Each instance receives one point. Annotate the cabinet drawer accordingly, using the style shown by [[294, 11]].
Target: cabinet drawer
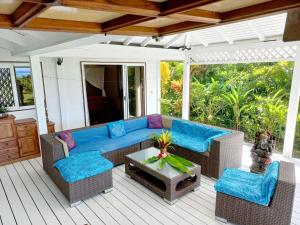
[[26, 127], [8, 157], [9, 151], [8, 144], [26, 133]]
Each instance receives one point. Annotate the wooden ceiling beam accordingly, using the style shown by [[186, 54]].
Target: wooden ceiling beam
[[181, 27], [26, 12], [136, 31], [45, 2], [177, 6], [5, 21], [274, 6], [42, 24], [124, 21], [30, 9], [198, 15], [140, 7]]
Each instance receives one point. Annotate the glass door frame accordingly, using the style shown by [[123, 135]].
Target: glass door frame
[[125, 66]]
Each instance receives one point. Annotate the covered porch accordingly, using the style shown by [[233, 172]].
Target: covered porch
[[71, 64]]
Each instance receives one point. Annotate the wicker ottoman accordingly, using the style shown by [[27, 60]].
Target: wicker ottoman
[[82, 176]]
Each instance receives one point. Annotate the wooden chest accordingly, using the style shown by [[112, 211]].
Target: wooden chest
[[18, 139]]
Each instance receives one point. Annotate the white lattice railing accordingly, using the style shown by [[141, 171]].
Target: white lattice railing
[[260, 52]]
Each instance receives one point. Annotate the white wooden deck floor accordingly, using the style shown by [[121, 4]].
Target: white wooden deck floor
[[28, 196]]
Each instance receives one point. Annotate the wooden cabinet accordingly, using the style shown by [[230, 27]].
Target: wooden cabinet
[[51, 127], [8, 140], [27, 137], [18, 139]]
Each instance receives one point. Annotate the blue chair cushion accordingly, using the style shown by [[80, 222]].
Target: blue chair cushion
[[193, 136], [90, 134], [116, 129], [136, 124], [81, 166], [249, 186]]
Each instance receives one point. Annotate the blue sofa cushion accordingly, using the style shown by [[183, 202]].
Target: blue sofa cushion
[[112, 144], [90, 134], [104, 145], [136, 124], [81, 166], [145, 134], [249, 186], [194, 136], [116, 129], [189, 142], [95, 145]]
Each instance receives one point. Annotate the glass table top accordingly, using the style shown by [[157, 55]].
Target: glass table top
[[167, 171]]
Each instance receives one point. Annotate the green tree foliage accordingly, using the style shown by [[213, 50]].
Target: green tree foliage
[[171, 88], [248, 97]]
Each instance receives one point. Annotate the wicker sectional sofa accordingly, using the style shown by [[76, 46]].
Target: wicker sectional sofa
[[225, 151]]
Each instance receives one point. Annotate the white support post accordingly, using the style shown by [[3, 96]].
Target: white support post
[[39, 97], [186, 90], [292, 109]]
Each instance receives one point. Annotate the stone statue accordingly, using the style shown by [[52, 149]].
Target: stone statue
[[261, 151]]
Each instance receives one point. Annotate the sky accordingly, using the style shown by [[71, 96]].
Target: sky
[[22, 71]]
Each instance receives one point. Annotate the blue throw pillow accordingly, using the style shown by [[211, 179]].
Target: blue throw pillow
[[116, 129]]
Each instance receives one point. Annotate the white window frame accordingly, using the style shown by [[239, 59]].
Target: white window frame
[[11, 66]]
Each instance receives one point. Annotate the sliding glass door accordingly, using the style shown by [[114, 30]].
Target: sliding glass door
[[113, 91], [134, 105]]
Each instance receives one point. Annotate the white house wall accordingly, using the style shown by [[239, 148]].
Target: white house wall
[[63, 84]]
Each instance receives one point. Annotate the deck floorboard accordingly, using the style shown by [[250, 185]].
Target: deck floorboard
[[29, 196]]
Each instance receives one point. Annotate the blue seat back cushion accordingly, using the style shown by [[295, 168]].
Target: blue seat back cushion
[[83, 165], [197, 130], [116, 129], [194, 136], [136, 124], [270, 179], [90, 134]]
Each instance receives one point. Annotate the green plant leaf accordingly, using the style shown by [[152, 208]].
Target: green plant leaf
[[161, 163], [183, 161], [178, 165], [150, 160]]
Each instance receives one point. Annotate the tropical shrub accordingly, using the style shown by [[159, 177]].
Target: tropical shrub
[[249, 97]]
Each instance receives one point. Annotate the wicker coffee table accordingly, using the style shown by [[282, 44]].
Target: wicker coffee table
[[168, 182]]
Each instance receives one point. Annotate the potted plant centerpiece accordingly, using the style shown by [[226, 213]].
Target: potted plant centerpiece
[[3, 111], [164, 143]]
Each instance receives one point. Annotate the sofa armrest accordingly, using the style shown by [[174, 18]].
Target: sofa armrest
[[283, 198], [227, 150], [52, 150]]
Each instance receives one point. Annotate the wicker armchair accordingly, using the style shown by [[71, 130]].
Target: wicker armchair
[[279, 212]]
